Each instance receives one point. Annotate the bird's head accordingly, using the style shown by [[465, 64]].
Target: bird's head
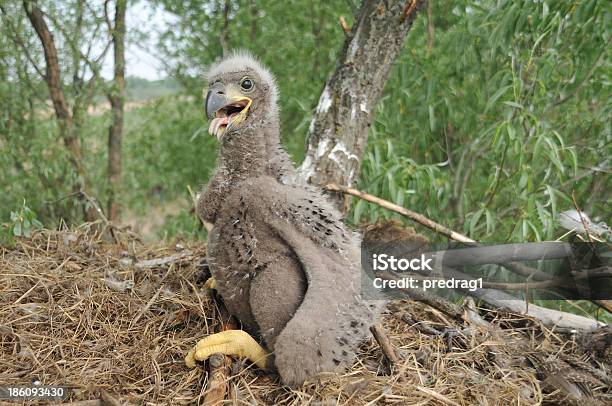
[[241, 92]]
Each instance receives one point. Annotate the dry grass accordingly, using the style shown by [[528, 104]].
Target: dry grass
[[68, 317]]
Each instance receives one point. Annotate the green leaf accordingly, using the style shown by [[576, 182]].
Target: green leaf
[[523, 181], [358, 211], [391, 184], [17, 229], [474, 220], [525, 230], [511, 132], [535, 230], [490, 222], [432, 119], [513, 104], [552, 198], [399, 197], [499, 93]]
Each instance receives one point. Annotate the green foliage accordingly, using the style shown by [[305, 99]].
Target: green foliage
[[493, 129], [22, 222], [182, 226], [142, 89], [33, 160], [166, 151], [490, 131]]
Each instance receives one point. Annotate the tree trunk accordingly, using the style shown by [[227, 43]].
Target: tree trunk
[[430, 26], [338, 133], [117, 99], [60, 105], [224, 39]]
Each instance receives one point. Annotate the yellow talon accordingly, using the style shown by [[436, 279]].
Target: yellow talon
[[231, 342], [211, 283]]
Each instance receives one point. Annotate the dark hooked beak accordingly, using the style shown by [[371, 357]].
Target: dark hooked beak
[[225, 107], [215, 100]]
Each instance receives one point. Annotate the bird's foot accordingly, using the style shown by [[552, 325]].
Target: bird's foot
[[211, 283], [231, 342]]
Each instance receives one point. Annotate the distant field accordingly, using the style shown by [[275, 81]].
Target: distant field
[[143, 89]]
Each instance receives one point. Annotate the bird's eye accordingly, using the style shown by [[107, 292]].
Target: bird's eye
[[246, 84]]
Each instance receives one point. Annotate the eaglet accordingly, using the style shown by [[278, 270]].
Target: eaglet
[[281, 259]]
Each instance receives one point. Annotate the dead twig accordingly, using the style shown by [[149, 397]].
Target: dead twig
[[156, 262], [93, 402], [604, 304], [385, 344], [423, 327], [419, 218], [219, 365], [408, 10], [568, 282], [387, 349], [94, 203], [344, 25], [152, 300], [549, 317], [437, 396]]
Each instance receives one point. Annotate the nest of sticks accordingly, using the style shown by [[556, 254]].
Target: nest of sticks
[[113, 321]]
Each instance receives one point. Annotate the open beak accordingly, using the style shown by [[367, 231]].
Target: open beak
[[226, 107]]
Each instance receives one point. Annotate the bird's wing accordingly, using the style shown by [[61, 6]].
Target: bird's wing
[[332, 319]]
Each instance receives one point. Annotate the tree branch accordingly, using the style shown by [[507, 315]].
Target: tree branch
[[224, 38], [52, 75], [419, 218], [387, 348], [93, 64], [60, 105], [19, 41], [219, 364]]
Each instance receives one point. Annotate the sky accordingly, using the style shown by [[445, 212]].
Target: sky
[[140, 57]]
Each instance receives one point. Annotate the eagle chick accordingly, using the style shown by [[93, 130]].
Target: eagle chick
[[283, 261]]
